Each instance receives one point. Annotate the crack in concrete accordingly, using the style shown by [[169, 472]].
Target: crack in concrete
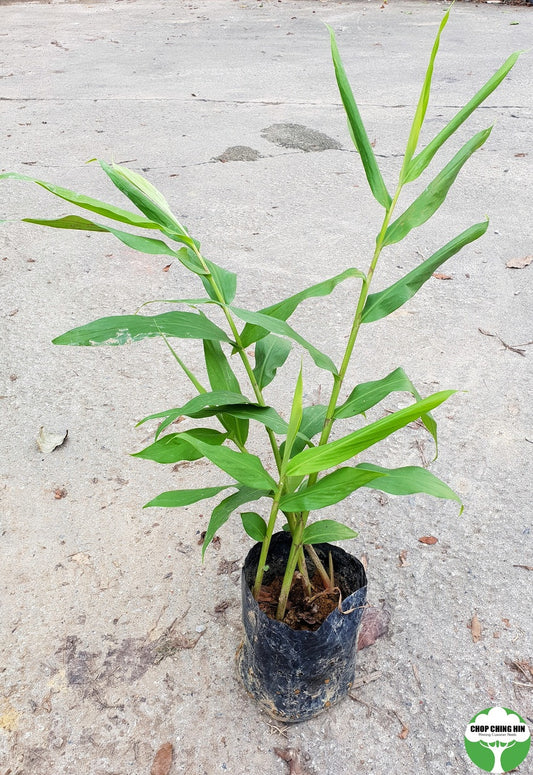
[[248, 102]]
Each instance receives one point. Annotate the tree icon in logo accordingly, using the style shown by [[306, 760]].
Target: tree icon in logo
[[497, 740]]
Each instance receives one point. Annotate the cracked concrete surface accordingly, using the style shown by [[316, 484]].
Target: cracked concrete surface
[[114, 638]]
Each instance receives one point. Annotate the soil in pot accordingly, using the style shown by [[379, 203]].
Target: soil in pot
[[294, 674], [305, 610]]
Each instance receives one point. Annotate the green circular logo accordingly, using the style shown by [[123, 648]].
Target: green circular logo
[[497, 739]]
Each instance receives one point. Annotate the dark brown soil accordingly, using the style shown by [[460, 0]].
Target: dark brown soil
[[304, 611]]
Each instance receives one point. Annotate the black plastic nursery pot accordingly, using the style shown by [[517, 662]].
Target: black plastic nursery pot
[[296, 674]]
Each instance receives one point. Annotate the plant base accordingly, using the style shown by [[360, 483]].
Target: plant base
[[296, 674]]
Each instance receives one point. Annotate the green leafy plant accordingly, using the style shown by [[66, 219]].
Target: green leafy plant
[[307, 473]]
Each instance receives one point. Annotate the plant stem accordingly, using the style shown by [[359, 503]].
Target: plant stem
[[356, 325], [261, 401], [257, 390], [242, 353], [335, 392], [292, 561], [318, 565], [266, 541], [302, 567]]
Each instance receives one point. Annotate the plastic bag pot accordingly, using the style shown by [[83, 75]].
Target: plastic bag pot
[[295, 674]]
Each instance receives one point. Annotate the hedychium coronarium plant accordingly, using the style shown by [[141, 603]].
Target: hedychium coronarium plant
[[311, 472]]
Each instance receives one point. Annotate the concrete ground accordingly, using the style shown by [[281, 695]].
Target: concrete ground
[[115, 639]]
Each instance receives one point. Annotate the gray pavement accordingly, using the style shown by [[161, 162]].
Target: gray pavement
[[101, 602]]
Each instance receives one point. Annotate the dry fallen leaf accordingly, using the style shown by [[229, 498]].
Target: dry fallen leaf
[[167, 267], [374, 624], [507, 623], [430, 540], [163, 760], [82, 558], [440, 276], [475, 627], [228, 566], [405, 729], [523, 667], [525, 567], [519, 263], [49, 440], [403, 734], [403, 558], [215, 541]]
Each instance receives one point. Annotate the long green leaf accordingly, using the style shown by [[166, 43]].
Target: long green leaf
[[271, 352], [246, 468], [88, 203], [327, 530], [225, 508], [266, 415], [368, 394], [74, 222], [379, 305], [225, 280], [275, 326], [358, 131], [215, 399], [220, 374], [434, 195], [123, 329], [421, 108], [222, 378], [282, 310], [295, 421], [195, 406], [176, 498], [420, 162], [329, 455], [408, 480], [330, 489], [244, 410], [148, 199], [254, 525], [313, 418], [155, 247], [174, 447]]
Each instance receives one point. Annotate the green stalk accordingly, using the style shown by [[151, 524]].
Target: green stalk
[[356, 325], [268, 537], [257, 390], [261, 401], [242, 354], [296, 549], [332, 405]]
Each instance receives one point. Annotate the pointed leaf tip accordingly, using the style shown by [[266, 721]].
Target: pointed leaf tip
[[357, 129]]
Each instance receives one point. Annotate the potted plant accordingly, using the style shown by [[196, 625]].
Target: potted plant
[[302, 596]]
